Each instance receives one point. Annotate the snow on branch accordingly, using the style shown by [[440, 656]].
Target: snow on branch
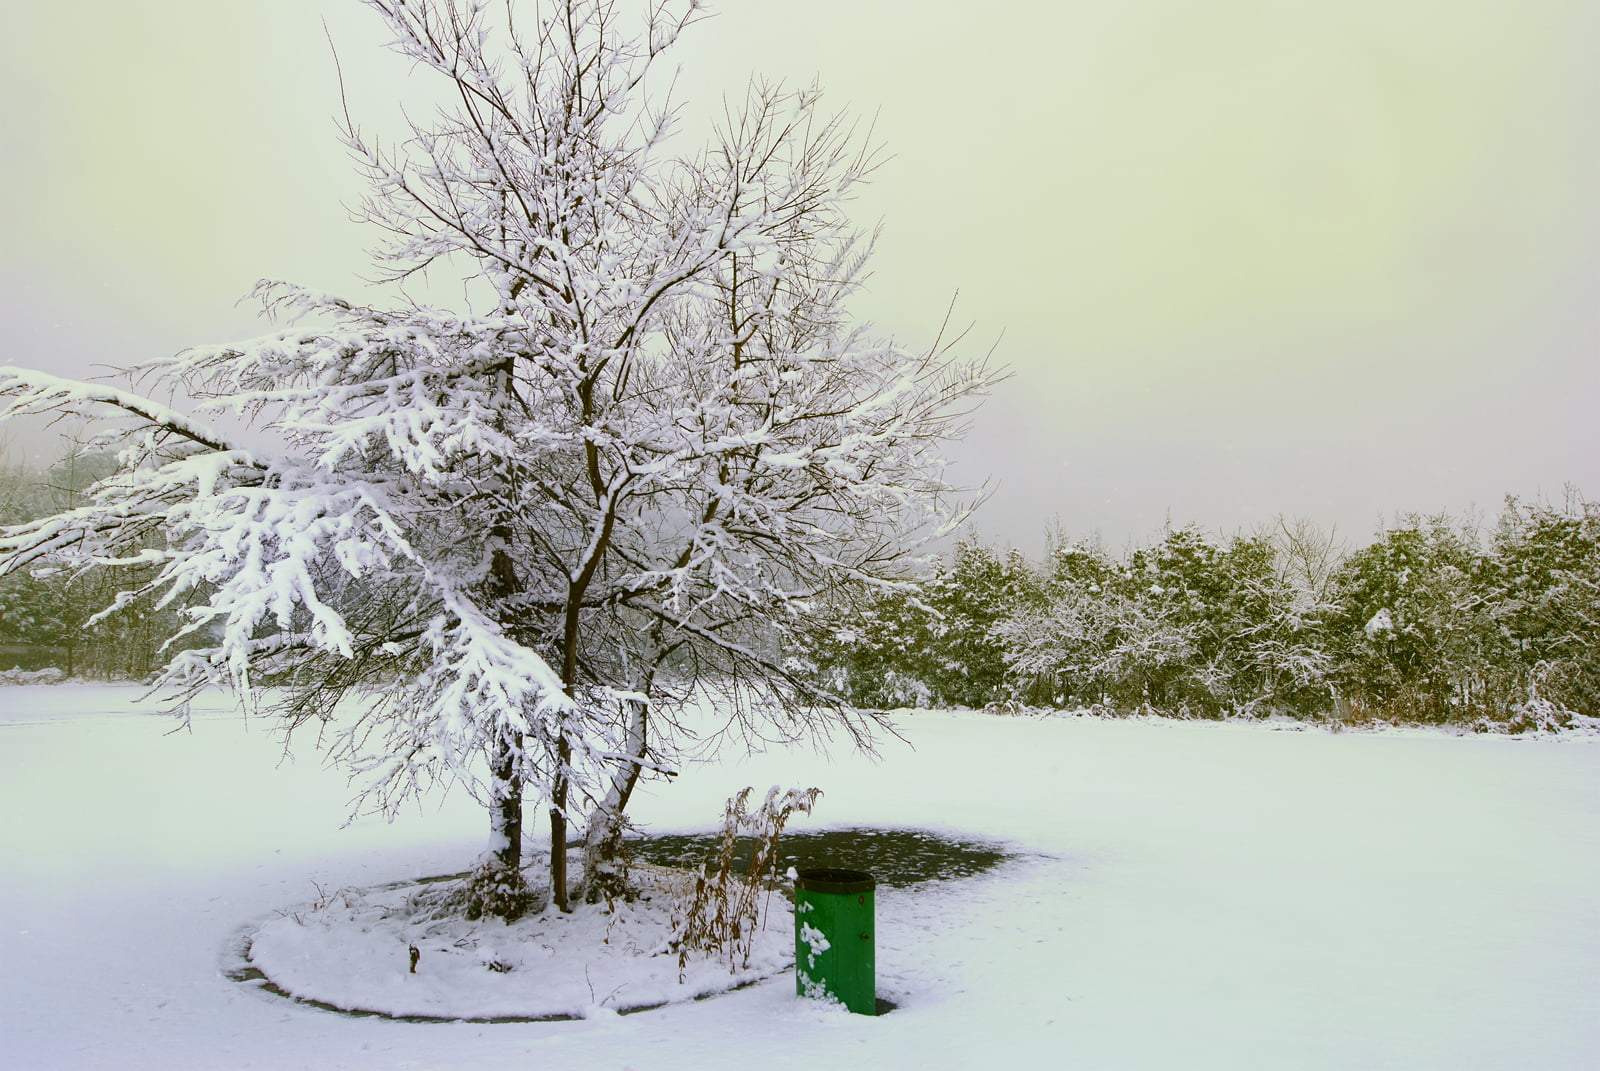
[[645, 450], [31, 393]]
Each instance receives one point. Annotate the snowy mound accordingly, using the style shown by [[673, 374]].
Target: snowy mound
[[351, 950]]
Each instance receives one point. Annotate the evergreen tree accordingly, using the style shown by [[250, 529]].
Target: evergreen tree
[[1417, 641], [1545, 594]]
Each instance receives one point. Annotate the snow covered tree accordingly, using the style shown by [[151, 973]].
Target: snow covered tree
[[1187, 626], [28, 608], [932, 644], [51, 614], [1294, 652], [1099, 646], [1544, 590], [1416, 640], [959, 660], [512, 533], [880, 650]]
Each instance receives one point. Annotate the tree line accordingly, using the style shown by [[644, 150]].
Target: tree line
[[1438, 620], [56, 617]]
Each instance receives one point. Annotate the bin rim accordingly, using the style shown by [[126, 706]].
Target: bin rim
[[834, 880]]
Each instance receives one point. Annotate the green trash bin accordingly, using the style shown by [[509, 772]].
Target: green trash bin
[[833, 942]]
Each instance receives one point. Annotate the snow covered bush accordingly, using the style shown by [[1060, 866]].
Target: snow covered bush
[[48, 675], [513, 533]]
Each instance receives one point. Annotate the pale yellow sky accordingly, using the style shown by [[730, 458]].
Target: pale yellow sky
[[1326, 258]]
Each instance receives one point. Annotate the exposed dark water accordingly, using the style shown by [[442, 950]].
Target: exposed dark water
[[895, 857]]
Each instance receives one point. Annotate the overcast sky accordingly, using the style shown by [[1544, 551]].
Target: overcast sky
[[1327, 258]]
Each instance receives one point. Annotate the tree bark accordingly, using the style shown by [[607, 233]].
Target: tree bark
[[569, 679], [603, 835], [558, 827], [505, 810]]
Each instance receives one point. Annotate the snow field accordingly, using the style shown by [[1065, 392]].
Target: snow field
[[1195, 896]]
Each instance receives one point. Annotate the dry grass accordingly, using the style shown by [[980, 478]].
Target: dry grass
[[725, 908]]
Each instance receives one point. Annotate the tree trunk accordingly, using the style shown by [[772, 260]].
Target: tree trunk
[[603, 834], [505, 811], [558, 827]]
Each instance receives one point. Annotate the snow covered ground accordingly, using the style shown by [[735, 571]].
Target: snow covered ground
[[1196, 896]]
